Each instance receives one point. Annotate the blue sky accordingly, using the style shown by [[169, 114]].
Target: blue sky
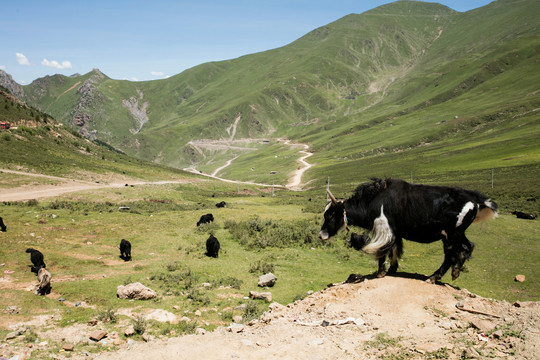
[[148, 40]]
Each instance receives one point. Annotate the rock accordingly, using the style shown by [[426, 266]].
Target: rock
[[483, 325], [12, 310], [136, 291], [147, 337], [68, 347], [162, 316], [267, 280], [92, 322], [519, 278], [185, 319], [129, 331], [198, 313], [237, 319], [98, 335], [200, 331], [260, 296], [12, 335], [498, 334]]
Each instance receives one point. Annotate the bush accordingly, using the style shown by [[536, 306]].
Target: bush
[[139, 324], [256, 233]]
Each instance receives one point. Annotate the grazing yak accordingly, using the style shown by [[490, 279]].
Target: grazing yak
[[208, 218], [36, 257], [212, 246], [221, 204], [44, 282], [393, 210], [522, 215], [3, 227], [125, 250]]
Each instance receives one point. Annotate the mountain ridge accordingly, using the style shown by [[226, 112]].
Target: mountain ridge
[[350, 80]]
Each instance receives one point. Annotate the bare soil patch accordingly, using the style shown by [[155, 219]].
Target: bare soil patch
[[398, 317]]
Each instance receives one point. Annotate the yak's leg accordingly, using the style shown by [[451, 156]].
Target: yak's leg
[[463, 253], [381, 272], [394, 254], [448, 261]]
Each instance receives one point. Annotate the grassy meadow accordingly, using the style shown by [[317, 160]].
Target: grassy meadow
[[79, 235]]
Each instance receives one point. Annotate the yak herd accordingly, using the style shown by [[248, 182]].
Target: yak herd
[[44, 276], [383, 209]]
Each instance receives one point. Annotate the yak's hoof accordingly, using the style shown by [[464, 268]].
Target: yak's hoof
[[432, 280], [354, 278], [381, 274], [455, 273], [393, 269]]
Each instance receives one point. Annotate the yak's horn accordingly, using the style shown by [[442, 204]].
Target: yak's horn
[[331, 197]]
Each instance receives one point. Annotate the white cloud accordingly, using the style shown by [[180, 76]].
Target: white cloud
[[55, 64], [22, 60], [156, 73]]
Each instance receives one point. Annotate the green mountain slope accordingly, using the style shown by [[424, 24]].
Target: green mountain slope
[[407, 87], [36, 142]]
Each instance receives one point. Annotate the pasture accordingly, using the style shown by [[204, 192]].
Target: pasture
[[79, 235]]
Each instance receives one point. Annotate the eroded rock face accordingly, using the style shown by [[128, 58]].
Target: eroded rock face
[[136, 291], [14, 88]]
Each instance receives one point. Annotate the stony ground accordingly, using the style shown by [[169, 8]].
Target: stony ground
[[390, 318]]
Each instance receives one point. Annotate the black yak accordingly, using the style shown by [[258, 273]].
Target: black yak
[[212, 246], [36, 257], [125, 250], [208, 218]]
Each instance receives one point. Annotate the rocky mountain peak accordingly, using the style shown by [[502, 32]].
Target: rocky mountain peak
[[7, 81]]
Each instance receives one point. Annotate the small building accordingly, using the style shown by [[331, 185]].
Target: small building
[[5, 125]]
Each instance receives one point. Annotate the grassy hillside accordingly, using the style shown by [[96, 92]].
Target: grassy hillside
[[409, 87], [36, 142]]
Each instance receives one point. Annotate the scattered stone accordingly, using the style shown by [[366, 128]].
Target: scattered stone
[[129, 331], [498, 334], [176, 307], [519, 278], [68, 347], [200, 331], [206, 285], [267, 280], [260, 296], [162, 316], [483, 325], [185, 319], [12, 310], [98, 335], [198, 313], [237, 319], [236, 328], [147, 337], [92, 322], [61, 299], [136, 291]]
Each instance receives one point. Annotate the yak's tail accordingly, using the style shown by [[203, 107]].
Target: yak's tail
[[487, 209]]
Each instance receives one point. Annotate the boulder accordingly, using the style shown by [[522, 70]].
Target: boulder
[[129, 331], [136, 291], [261, 296], [267, 280], [519, 278]]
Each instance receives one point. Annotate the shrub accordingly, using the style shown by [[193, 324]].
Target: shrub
[[139, 324], [108, 315]]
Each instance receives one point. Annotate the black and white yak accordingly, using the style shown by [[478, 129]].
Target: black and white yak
[[393, 210], [44, 282]]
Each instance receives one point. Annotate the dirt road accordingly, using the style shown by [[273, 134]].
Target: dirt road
[[63, 186]]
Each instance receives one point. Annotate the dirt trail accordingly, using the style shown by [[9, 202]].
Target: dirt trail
[[65, 186], [374, 319]]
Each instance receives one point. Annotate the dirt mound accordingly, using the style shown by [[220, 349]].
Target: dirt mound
[[393, 317]]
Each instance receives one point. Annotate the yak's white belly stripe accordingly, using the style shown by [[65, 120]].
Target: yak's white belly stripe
[[468, 207], [380, 235]]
